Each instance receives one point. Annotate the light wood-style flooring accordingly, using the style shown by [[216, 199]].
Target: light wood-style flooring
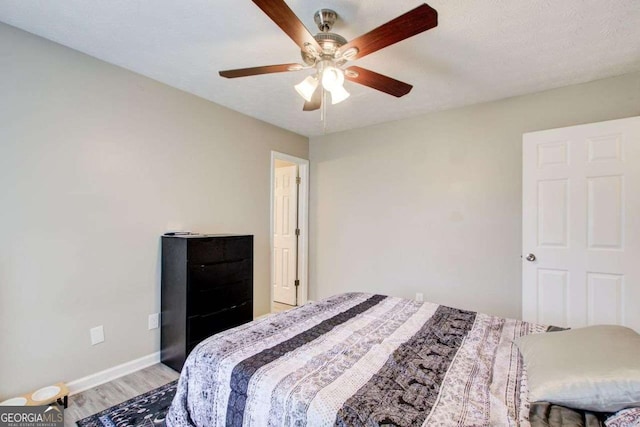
[[106, 395], [279, 307]]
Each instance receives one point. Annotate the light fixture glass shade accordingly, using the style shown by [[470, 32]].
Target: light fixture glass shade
[[332, 78], [339, 94], [306, 87]]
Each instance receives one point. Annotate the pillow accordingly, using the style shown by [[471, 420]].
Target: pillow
[[625, 418], [596, 368]]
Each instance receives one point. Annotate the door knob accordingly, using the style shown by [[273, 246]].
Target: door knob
[[531, 257]]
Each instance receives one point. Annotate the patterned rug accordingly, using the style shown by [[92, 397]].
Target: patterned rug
[[146, 410]]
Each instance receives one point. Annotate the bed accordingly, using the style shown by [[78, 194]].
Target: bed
[[358, 359]]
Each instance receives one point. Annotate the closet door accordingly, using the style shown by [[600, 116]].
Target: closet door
[[581, 225], [285, 240]]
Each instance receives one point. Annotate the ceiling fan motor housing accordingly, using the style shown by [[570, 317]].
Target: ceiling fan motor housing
[[328, 41]]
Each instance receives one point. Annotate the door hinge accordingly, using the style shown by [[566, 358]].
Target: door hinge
[[298, 180], [296, 283], [297, 231]]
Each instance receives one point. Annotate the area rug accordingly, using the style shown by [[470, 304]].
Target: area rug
[[146, 410]]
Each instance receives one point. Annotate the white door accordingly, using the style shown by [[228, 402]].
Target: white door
[[581, 222], [284, 234]]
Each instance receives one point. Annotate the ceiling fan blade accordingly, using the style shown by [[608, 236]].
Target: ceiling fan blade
[[265, 69], [316, 101], [284, 18], [420, 19], [377, 81]]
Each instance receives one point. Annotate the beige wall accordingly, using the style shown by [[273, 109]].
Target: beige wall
[[96, 163], [433, 204]]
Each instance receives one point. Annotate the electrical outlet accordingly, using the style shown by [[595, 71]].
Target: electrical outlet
[[154, 321], [97, 335], [419, 297]]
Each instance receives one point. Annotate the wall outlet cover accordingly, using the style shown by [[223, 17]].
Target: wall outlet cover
[[97, 335], [154, 321], [419, 297]]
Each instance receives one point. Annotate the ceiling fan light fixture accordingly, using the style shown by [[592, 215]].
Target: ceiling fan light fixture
[[332, 78], [339, 94], [307, 87]]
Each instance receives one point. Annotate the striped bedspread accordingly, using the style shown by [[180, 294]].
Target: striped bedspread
[[358, 360]]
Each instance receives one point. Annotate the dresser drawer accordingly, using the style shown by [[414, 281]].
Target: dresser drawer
[[238, 248], [210, 300], [204, 251], [201, 327], [209, 276]]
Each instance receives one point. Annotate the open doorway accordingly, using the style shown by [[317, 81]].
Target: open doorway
[[289, 234]]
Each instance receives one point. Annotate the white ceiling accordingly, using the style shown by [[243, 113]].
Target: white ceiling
[[482, 50]]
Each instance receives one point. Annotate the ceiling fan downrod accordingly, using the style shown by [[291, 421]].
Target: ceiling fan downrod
[[324, 19]]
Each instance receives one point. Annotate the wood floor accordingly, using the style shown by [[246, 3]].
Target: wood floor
[[106, 395], [279, 307]]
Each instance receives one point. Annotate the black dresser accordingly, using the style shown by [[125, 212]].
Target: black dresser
[[207, 287]]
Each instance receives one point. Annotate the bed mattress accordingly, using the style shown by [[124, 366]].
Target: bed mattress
[[358, 359]]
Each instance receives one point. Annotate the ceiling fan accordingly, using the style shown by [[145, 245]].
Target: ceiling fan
[[328, 52]]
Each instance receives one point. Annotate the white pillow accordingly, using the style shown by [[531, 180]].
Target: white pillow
[[596, 368]]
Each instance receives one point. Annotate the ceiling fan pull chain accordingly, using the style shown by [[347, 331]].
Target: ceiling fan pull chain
[[323, 115]]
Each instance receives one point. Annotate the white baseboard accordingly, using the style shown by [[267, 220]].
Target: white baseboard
[[93, 380]]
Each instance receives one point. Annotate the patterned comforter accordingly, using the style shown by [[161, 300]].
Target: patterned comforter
[[358, 360]]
